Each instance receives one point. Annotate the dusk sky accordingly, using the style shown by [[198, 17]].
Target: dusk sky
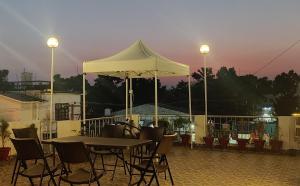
[[242, 34]]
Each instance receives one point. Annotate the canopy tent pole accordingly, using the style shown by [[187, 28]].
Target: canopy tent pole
[[190, 108], [130, 97], [126, 97], [83, 104], [190, 98], [156, 111]]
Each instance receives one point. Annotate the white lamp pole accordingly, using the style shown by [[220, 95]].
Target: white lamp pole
[[52, 43], [204, 50]]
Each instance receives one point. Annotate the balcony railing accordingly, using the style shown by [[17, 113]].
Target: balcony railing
[[235, 126], [93, 126], [241, 126]]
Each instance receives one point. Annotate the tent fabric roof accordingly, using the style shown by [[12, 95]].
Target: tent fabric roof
[[137, 61]]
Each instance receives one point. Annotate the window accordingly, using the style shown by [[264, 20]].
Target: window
[[61, 111]]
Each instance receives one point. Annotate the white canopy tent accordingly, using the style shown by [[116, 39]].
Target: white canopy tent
[[137, 61]]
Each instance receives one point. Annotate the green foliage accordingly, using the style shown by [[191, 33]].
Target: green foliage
[[32, 125], [228, 92], [285, 91], [166, 125], [181, 122], [70, 84], [4, 133], [4, 85]]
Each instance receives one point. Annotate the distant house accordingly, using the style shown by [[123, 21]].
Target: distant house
[[148, 109], [18, 107], [146, 113], [34, 105]]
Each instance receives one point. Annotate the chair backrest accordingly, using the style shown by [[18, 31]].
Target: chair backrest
[[72, 152], [155, 134], [28, 148], [113, 131], [165, 145], [28, 132]]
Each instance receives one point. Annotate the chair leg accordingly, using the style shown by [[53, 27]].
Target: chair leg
[[124, 164], [103, 165], [115, 167], [94, 160], [98, 183], [31, 182], [169, 171], [14, 172], [17, 174], [151, 179], [141, 178], [171, 178], [59, 180], [156, 178]]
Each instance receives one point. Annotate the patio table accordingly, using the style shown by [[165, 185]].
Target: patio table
[[108, 143], [114, 143]]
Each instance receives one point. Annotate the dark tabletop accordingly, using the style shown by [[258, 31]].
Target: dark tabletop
[[123, 143]]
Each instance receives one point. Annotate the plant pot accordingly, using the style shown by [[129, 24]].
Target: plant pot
[[185, 139], [276, 145], [259, 144], [4, 152], [223, 142], [208, 141], [242, 143]]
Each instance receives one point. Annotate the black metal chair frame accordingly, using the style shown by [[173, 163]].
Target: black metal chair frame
[[71, 158], [118, 153], [28, 132], [151, 165], [154, 134], [29, 149]]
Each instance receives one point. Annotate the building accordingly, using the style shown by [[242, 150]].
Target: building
[[34, 106]]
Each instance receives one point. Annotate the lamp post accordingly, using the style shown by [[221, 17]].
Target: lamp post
[[204, 50], [52, 43]]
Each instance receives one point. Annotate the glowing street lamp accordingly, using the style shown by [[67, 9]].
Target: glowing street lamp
[[52, 43], [204, 50]]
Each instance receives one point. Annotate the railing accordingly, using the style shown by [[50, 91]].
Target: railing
[[147, 120], [93, 126], [235, 126], [241, 126]]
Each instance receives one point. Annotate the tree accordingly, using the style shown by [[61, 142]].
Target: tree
[[70, 84], [199, 74], [4, 85], [105, 93], [285, 93]]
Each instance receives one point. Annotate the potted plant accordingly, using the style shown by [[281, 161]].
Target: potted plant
[[224, 140], [181, 123], [4, 133], [209, 138], [166, 125], [276, 144], [242, 143], [260, 142]]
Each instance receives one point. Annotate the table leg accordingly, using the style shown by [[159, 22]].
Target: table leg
[[53, 152]]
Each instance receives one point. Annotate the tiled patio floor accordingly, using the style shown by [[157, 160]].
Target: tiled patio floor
[[205, 167]]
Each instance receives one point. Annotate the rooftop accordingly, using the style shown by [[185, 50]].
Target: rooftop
[[21, 97], [206, 167]]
